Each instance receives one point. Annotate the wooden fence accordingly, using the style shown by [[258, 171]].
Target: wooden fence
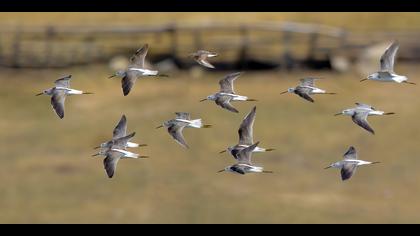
[[264, 45]]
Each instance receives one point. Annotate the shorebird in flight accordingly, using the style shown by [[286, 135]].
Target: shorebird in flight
[[386, 73], [227, 93], [246, 136], [116, 152], [306, 88], [177, 125], [244, 164], [59, 93], [135, 70], [120, 131], [360, 113], [350, 163], [201, 57]]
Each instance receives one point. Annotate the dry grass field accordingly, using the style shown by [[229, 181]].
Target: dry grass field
[[48, 175]]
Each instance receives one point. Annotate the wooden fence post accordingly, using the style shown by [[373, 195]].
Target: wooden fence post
[[49, 35], [17, 48]]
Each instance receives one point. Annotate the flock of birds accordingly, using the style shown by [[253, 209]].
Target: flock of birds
[[116, 148]]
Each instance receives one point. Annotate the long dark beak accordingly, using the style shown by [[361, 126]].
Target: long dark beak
[[97, 147], [161, 126], [97, 154], [284, 92], [363, 80], [327, 167], [203, 100], [220, 171], [222, 152], [112, 76], [39, 94], [338, 114]]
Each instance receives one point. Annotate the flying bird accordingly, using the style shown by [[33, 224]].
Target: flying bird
[[176, 126], [386, 73], [350, 163], [59, 93], [246, 135], [136, 69], [227, 93], [307, 88], [120, 131], [116, 152], [201, 57], [244, 164], [360, 113]]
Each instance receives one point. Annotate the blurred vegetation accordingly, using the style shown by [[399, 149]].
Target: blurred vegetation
[[353, 21]]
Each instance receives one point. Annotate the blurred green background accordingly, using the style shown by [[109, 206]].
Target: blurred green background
[[48, 175]]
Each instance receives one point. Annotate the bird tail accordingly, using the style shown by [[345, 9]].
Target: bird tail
[[196, 124]]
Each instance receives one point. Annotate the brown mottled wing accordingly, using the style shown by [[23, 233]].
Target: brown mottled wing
[[351, 154], [347, 171], [63, 82], [307, 82], [362, 105], [137, 60], [128, 81], [202, 60], [110, 163], [224, 101], [183, 115], [121, 129], [246, 129], [244, 155], [360, 118], [176, 132], [304, 93], [388, 58], [226, 84], [57, 102], [121, 143]]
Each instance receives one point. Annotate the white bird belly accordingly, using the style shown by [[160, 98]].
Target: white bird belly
[[126, 153], [132, 145], [145, 71]]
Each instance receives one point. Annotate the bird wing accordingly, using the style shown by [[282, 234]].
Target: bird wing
[[111, 161], [121, 143], [388, 58], [224, 101], [246, 129], [348, 170], [244, 155], [361, 105], [137, 60], [351, 154], [183, 115], [226, 84], [63, 82], [203, 61], [57, 102], [121, 129], [304, 93], [175, 131], [310, 82], [360, 118], [128, 81]]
